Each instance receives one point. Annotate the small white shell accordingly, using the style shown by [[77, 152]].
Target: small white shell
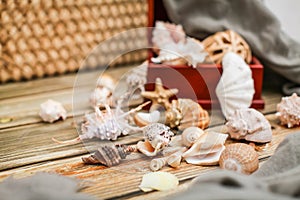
[[51, 111], [158, 163], [235, 89], [288, 111], [158, 181], [191, 135], [249, 124]]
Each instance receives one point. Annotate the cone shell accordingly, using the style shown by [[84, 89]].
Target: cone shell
[[192, 114], [239, 157], [288, 111], [191, 135]]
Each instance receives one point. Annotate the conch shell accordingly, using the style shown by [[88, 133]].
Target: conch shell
[[51, 111], [157, 136], [249, 124], [206, 150], [288, 111], [239, 157], [191, 135]]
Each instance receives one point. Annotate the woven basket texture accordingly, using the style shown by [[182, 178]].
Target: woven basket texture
[[48, 37]]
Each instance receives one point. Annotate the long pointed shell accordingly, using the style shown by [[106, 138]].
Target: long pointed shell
[[174, 160], [191, 135], [239, 157], [235, 91], [288, 111]]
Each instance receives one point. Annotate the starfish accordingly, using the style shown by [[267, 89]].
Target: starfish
[[160, 95]]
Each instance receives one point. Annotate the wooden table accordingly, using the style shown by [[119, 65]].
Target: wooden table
[[26, 146]]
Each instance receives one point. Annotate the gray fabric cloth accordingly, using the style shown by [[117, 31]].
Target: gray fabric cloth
[[278, 178], [249, 18], [41, 186]]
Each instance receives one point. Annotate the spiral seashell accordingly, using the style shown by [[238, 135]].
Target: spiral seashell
[[239, 157], [174, 160], [109, 155], [191, 135], [158, 163], [288, 111]]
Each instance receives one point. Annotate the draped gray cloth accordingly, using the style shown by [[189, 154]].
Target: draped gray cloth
[[251, 19], [277, 179]]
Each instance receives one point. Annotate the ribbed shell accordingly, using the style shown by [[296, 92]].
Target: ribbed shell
[[239, 157], [192, 114], [108, 155], [191, 135]]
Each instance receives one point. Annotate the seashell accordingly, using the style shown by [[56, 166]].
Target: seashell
[[102, 94], [143, 119], [220, 43], [105, 126], [235, 92], [136, 80], [166, 33], [158, 163], [160, 96], [288, 111], [192, 114], [158, 181], [109, 155], [191, 135], [239, 157], [51, 111], [190, 52], [174, 160], [157, 136], [206, 150], [249, 124]]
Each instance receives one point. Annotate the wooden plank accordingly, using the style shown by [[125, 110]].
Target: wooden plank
[[124, 179]]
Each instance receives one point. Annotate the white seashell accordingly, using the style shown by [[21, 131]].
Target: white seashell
[[51, 111], [158, 163], [249, 124], [191, 135], [158, 135], [146, 148], [158, 181], [174, 160], [206, 150], [235, 89], [143, 119], [288, 111], [106, 81]]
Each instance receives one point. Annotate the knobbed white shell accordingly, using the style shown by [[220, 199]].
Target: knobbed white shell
[[51, 111], [191, 135], [288, 111], [249, 124], [239, 157], [235, 89]]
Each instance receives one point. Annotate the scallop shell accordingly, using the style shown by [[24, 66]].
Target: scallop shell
[[51, 111], [158, 181], [249, 124], [192, 114], [191, 135], [235, 89], [239, 157], [288, 111], [108, 155], [206, 150]]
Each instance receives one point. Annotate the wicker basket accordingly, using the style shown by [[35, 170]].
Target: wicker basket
[[47, 37]]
